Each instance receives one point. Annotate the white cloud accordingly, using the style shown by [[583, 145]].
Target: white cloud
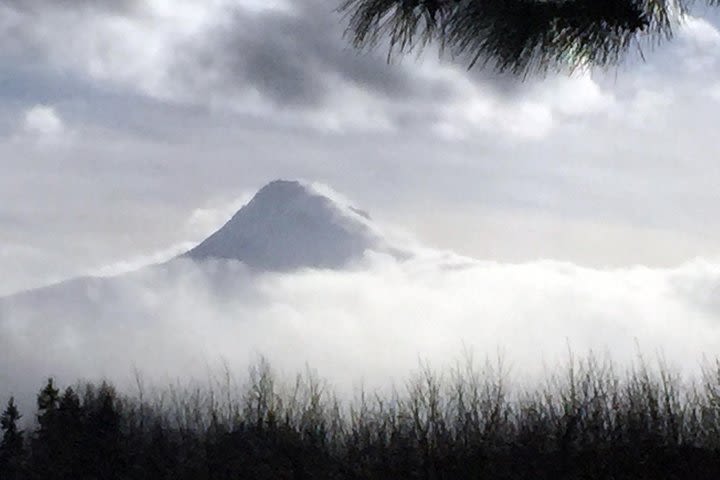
[[371, 323], [531, 113], [204, 221], [43, 121], [476, 111], [647, 107], [139, 262], [574, 95], [698, 46], [700, 32]]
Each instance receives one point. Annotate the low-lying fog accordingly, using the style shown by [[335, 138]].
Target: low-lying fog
[[370, 324]]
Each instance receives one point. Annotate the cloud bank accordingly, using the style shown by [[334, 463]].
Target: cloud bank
[[370, 324]]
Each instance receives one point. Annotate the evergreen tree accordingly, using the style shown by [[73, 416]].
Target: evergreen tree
[[72, 449], [47, 403], [104, 434], [48, 438], [519, 36], [12, 446]]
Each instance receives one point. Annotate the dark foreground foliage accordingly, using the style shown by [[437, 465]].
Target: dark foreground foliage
[[519, 36], [590, 424]]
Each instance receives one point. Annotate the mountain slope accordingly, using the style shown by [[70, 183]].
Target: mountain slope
[[288, 225]]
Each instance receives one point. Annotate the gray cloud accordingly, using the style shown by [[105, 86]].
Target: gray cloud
[[297, 58], [113, 6]]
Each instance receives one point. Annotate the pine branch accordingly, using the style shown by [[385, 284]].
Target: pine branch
[[518, 36]]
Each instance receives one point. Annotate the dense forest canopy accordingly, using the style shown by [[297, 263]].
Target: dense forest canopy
[[517, 36]]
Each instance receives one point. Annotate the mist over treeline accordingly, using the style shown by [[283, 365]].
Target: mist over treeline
[[589, 420], [371, 322]]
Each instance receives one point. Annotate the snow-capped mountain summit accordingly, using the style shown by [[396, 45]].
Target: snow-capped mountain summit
[[290, 225]]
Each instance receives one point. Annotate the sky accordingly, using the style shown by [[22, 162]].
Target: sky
[[130, 130]]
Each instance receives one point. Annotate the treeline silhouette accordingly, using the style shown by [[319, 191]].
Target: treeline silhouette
[[591, 422]]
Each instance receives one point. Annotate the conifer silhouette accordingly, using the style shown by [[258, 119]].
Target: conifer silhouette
[[12, 450], [517, 36]]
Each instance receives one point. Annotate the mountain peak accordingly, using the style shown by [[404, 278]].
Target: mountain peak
[[289, 225], [283, 189]]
